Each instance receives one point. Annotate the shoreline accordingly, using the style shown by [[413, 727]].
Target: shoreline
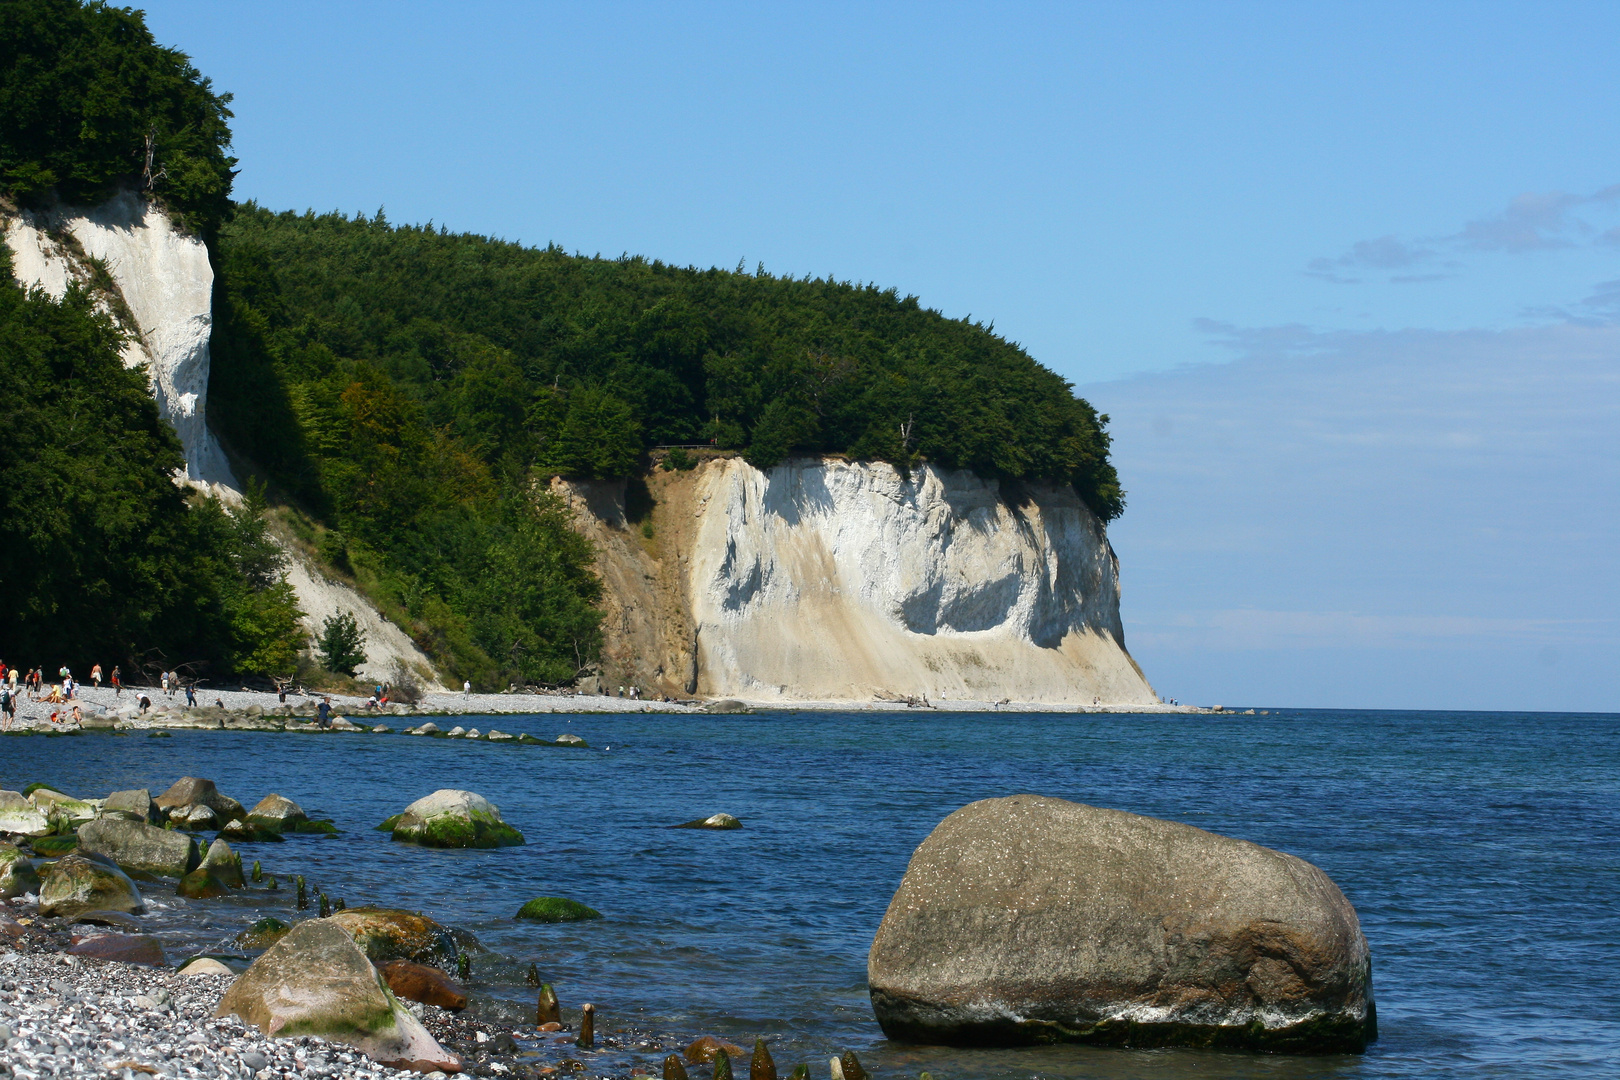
[[245, 709]]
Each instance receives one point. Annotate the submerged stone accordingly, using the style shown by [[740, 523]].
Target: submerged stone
[[713, 821], [17, 874], [263, 934], [419, 982], [556, 909]]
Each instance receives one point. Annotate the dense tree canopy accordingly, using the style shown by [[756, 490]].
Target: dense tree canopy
[[526, 358], [85, 92]]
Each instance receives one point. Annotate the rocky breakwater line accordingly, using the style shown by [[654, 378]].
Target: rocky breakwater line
[[1035, 920]]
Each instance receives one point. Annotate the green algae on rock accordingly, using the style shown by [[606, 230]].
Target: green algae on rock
[[17, 874], [263, 934], [555, 909], [453, 819]]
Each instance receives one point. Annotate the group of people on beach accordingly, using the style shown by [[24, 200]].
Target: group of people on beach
[[63, 692]]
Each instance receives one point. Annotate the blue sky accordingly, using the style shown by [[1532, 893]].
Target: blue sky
[[1295, 250]]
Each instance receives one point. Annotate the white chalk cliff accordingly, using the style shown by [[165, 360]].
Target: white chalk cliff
[[836, 580], [165, 283]]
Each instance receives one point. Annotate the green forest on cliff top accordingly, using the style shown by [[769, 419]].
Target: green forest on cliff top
[[408, 390]]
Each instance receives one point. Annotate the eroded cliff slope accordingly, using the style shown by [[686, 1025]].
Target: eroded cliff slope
[[157, 282], [835, 580]]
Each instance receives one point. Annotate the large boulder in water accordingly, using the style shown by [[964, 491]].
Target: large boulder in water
[[316, 981], [1033, 920], [140, 846], [74, 884], [451, 818]]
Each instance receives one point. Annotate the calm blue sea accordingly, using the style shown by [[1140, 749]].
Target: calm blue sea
[[1481, 850]]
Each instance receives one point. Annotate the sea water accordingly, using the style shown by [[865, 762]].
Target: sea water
[[1482, 852]]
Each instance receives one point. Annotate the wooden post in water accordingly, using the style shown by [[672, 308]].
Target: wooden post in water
[[587, 1027], [722, 1065], [762, 1066], [546, 1009], [674, 1069]]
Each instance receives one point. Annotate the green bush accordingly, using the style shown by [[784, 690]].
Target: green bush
[[341, 644]]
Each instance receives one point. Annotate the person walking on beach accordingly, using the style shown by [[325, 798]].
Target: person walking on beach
[[323, 713], [117, 685], [8, 707], [163, 681], [466, 688], [95, 676], [191, 695]]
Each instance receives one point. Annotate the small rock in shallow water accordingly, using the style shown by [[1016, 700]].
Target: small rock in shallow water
[[571, 739], [702, 1050], [713, 821], [75, 883]]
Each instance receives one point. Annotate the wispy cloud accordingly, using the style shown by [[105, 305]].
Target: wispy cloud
[[1534, 221]]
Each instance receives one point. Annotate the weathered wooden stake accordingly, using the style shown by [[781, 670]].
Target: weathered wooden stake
[[587, 1027], [546, 1009], [762, 1066]]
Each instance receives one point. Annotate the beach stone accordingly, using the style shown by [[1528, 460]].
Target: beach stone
[[74, 883], [21, 817], [116, 920], [52, 846], [452, 818], [125, 948], [263, 934], [194, 818], [219, 872], [277, 813], [386, 934], [139, 846], [224, 864], [713, 821], [555, 909], [456, 732], [429, 728], [17, 874], [499, 736], [473, 733], [243, 833], [194, 791], [429, 985], [206, 965], [316, 981], [570, 739], [725, 706], [381, 729], [1036, 920], [59, 807], [703, 1050], [136, 805]]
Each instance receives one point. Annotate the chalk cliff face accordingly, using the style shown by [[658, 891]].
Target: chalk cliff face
[[833, 580], [162, 283], [165, 283]]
